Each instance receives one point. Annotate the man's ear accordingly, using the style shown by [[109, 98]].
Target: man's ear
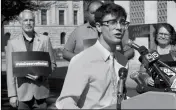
[[98, 26]]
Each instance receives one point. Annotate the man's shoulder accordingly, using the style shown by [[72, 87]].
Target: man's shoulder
[[82, 27], [42, 37], [87, 56], [14, 38]]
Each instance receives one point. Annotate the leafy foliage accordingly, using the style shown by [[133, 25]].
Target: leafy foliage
[[11, 8]]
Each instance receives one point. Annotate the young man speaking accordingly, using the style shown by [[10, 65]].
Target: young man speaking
[[92, 76]]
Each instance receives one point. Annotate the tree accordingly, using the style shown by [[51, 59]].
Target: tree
[[11, 8]]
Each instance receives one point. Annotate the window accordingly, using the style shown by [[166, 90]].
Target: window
[[43, 17], [62, 38], [75, 17], [61, 17], [45, 33]]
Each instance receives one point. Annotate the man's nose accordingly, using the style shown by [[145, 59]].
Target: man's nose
[[28, 22], [118, 26]]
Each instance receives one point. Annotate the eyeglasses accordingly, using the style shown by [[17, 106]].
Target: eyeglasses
[[165, 34], [113, 23]]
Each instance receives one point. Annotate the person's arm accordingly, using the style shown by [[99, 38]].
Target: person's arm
[[173, 52], [173, 48], [11, 83], [173, 82], [128, 52], [74, 85], [69, 47], [52, 55], [68, 55], [145, 76]]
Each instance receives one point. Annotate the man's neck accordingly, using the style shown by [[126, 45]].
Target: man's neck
[[109, 47], [28, 35]]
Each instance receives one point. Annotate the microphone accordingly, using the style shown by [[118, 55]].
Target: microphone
[[149, 59], [121, 89], [132, 44], [141, 49], [123, 72]]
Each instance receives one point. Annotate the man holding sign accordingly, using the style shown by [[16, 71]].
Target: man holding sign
[[32, 89]]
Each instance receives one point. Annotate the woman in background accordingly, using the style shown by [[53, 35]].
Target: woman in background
[[165, 39]]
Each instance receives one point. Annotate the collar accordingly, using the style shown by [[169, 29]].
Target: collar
[[27, 38], [104, 52]]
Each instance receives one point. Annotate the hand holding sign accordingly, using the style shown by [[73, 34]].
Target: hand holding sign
[[35, 63], [32, 77]]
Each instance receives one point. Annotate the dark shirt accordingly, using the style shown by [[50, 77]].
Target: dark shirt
[[29, 44]]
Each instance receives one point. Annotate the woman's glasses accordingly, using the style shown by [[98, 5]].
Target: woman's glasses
[[164, 34]]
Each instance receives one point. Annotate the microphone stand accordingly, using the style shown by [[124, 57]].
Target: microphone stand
[[119, 100], [121, 97]]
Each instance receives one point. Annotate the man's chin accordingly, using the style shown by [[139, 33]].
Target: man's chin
[[117, 42], [28, 31]]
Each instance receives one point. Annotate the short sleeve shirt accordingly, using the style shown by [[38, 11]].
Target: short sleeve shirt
[[75, 41]]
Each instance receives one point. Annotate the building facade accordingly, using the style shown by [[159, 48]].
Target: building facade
[[150, 12], [60, 18], [57, 20]]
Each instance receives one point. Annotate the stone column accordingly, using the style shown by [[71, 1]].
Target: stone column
[[48, 16], [70, 13], [53, 15], [150, 12], [81, 13]]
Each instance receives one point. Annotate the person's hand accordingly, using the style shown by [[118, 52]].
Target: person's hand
[[13, 101], [32, 77], [150, 81]]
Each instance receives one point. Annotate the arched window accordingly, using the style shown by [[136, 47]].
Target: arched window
[[62, 37], [45, 33]]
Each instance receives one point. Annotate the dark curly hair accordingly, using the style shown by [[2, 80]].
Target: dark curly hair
[[170, 29], [109, 8]]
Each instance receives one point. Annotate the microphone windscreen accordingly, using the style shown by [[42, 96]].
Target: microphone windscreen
[[123, 72], [143, 50]]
